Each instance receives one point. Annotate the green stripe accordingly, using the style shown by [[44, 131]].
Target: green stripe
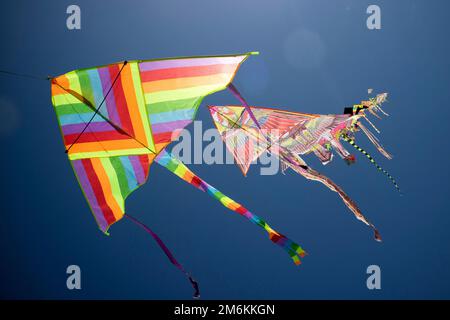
[[64, 99], [172, 165], [173, 105], [121, 176], [186, 93], [73, 108], [86, 88], [114, 183]]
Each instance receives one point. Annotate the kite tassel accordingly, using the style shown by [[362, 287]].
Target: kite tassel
[[168, 253], [350, 159], [376, 234], [294, 250], [372, 160]]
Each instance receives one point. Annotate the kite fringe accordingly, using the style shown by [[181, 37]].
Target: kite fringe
[[375, 141], [370, 122], [168, 253], [311, 174]]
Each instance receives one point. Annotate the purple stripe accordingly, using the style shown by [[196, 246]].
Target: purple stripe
[[110, 100], [170, 126], [137, 168], [93, 127], [89, 193], [192, 62]]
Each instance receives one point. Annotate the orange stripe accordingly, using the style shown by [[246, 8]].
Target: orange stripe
[[233, 205], [179, 83], [63, 82], [106, 187], [188, 175], [160, 146], [132, 104]]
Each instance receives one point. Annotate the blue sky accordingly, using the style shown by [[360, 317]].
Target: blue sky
[[316, 57]]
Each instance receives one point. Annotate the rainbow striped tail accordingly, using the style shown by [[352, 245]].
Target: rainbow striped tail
[[175, 166]]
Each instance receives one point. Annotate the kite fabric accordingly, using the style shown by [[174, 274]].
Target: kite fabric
[[249, 131], [116, 120]]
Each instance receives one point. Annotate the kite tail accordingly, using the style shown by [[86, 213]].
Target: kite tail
[[178, 168], [364, 152], [168, 253], [375, 141], [311, 174]]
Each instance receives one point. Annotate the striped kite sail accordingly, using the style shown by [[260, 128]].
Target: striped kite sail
[[249, 131], [116, 120]]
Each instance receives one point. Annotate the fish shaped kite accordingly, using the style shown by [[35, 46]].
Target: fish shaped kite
[[117, 120], [250, 131]]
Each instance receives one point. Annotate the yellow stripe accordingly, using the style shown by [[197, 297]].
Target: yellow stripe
[[187, 82], [111, 153], [179, 94], [141, 104], [180, 171], [64, 99], [106, 188], [74, 82], [115, 187], [132, 104]]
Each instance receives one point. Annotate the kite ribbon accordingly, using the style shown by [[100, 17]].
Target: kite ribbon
[[169, 254], [175, 166], [237, 94]]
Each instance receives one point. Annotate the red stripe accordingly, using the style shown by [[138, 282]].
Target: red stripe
[[144, 161], [182, 72], [241, 210], [121, 102], [196, 181], [95, 137], [98, 191], [162, 137]]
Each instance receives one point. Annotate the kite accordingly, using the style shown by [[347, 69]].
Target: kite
[[249, 131], [117, 120]]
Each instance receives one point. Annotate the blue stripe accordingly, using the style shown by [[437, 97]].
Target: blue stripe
[[172, 116], [131, 176], [79, 118], [96, 86]]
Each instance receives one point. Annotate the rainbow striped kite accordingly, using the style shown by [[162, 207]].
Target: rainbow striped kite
[[116, 120]]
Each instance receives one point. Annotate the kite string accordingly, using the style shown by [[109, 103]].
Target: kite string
[[168, 253], [25, 75], [98, 108]]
